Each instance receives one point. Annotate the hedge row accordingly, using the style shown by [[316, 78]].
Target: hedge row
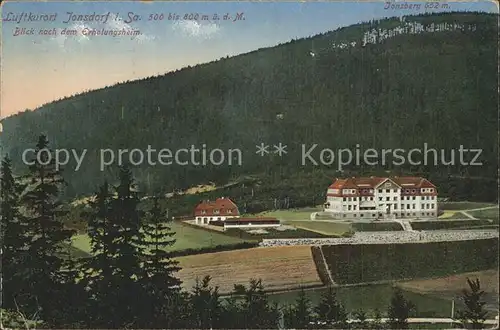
[[320, 265], [448, 224], [376, 262], [217, 248], [374, 226]]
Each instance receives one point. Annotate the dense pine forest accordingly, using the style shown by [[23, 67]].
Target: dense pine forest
[[383, 84]]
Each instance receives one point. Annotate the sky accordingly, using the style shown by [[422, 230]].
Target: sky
[[38, 69]]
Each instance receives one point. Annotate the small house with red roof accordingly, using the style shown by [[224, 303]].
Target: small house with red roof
[[365, 198], [219, 210], [224, 212]]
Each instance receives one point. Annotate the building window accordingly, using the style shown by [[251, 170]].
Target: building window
[[361, 215], [407, 206], [413, 197], [395, 198], [388, 191], [380, 190], [395, 206], [371, 198], [344, 199], [229, 211], [413, 206], [387, 198], [380, 198]]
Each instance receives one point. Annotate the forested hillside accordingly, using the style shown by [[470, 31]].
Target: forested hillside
[[386, 84]]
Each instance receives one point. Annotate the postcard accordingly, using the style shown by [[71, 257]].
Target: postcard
[[249, 165]]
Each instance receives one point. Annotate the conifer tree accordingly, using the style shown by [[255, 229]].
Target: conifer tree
[[13, 237], [44, 211], [330, 310], [205, 305], [299, 315], [257, 312], [98, 269], [127, 252], [474, 314], [399, 310], [160, 281]]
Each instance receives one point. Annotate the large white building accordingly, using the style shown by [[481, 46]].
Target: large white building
[[381, 198]]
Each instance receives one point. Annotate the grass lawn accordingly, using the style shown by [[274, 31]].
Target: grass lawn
[[371, 297], [187, 238], [325, 228], [486, 214], [453, 206], [447, 214], [277, 234], [292, 214], [450, 287]]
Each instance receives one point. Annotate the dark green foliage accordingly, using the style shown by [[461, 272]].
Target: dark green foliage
[[299, 315], [217, 248], [113, 276], [330, 310], [409, 90], [205, 304], [375, 262], [44, 253], [251, 308], [449, 224], [160, 281], [361, 318], [13, 237], [474, 315], [374, 226], [399, 311]]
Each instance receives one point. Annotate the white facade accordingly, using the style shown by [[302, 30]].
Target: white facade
[[206, 219], [385, 200]]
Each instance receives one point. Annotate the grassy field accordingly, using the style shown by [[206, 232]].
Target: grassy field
[[187, 238], [272, 233], [371, 297], [292, 214], [448, 214], [453, 206], [450, 287], [279, 268], [486, 214]]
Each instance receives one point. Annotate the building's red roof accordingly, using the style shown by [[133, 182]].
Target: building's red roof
[[362, 185], [224, 206]]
